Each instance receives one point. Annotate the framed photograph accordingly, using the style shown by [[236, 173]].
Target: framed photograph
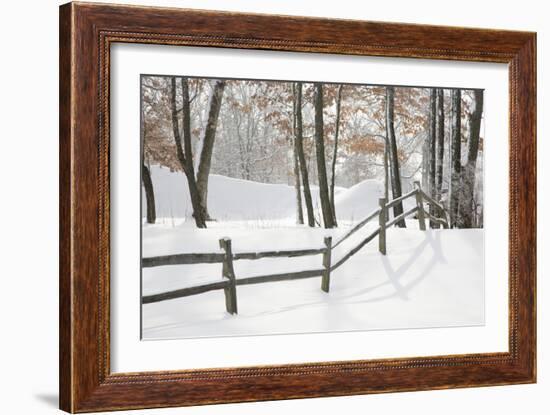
[[258, 207]]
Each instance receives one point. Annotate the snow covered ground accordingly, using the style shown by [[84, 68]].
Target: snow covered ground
[[427, 279], [261, 203]]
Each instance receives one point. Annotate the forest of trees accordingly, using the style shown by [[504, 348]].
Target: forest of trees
[[315, 137]]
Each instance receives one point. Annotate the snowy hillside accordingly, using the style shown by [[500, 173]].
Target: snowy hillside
[[236, 199]]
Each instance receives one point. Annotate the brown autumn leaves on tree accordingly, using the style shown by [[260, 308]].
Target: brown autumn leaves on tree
[[316, 135], [161, 107]]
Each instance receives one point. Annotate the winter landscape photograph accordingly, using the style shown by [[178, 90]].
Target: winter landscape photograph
[[288, 207]]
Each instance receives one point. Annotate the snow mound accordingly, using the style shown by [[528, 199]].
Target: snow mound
[[237, 199], [228, 198], [359, 200]]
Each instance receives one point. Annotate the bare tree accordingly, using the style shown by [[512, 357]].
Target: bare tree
[[208, 143], [146, 174], [386, 169], [468, 207], [431, 151], [297, 184], [149, 193], [335, 152], [440, 140], [185, 152], [328, 217], [456, 143], [301, 156], [394, 160]]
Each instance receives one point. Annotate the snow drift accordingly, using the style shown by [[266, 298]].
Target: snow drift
[[237, 199]]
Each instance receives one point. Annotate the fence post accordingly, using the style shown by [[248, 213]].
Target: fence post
[[325, 279], [382, 219], [228, 272], [420, 205]]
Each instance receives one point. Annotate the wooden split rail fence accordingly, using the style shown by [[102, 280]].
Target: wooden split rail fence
[[230, 282]]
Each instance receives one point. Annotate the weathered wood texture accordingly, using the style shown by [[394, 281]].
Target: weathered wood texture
[[399, 199], [382, 219], [437, 220], [230, 285], [185, 292], [357, 227], [432, 201], [214, 257], [182, 259], [278, 254], [356, 249], [401, 217], [229, 272], [420, 206], [286, 276], [327, 259], [438, 209], [86, 33]]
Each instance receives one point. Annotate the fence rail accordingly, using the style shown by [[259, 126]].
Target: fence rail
[[230, 282], [287, 276], [444, 221], [184, 292], [401, 217], [182, 259], [215, 258], [358, 226]]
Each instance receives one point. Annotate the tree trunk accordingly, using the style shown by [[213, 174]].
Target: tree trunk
[[431, 152], [440, 139], [386, 169], [146, 174], [425, 164], [455, 157], [328, 217], [208, 143], [149, 193], [301, 156], [335, 152], [467, 202], [394, 160], [297, 185], [185, 156]]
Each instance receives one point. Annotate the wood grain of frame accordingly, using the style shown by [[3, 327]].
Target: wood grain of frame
[[86, 33]]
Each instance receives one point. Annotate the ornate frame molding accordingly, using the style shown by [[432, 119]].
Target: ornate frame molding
[[86, 33]]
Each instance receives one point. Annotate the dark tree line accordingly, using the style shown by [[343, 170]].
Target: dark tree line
[[461, 189], [462, 199], [467, 204]]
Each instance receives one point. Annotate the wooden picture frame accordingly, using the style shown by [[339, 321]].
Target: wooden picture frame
[[86, 33]]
